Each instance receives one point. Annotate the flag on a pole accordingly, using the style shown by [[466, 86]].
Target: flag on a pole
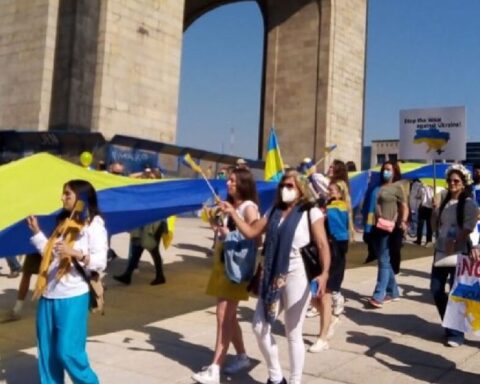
[[273, 163], [330, 148]]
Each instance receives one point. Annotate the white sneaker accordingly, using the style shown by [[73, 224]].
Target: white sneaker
[[338, 304], [319, 346], [238, 363], [453, 343], [210, 375], [332, 326], [312, 312]]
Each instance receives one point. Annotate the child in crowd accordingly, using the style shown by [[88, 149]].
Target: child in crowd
[[338, 232]]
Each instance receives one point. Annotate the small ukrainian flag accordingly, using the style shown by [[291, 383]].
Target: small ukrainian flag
[[273, 164]]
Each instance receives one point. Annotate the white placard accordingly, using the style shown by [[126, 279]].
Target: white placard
[[433, 134], [463, 308]]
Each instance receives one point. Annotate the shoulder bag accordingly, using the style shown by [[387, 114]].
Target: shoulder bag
[[385, 225], [96, 289], [240, 255], [310, 256]]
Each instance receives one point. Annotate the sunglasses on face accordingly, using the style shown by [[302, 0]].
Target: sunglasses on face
[[287, 185], [454, 181]]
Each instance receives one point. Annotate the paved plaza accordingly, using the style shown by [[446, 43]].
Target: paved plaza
[[160, 334]]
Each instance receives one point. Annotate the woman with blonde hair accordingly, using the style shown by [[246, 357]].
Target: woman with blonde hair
[[338, 215], [284, 285]]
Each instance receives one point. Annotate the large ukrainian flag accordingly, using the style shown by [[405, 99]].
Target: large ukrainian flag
[[33, 186], [273, 163]]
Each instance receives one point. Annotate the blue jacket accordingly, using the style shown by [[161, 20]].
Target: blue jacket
[[337, 220]]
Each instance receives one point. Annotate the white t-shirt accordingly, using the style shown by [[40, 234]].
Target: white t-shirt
[[320, 190], [92, 241], [241, 210], [243, 206], [301, 236], [426, 196]]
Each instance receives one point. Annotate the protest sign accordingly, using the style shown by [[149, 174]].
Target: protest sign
[[463, 308], [433, 134]]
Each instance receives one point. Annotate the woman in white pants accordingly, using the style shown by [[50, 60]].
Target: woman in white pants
[[284, 283]]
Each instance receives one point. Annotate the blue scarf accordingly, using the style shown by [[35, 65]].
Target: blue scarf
[[278, 244], [371, 205]]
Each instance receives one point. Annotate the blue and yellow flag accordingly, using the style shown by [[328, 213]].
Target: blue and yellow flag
[[273, 163]]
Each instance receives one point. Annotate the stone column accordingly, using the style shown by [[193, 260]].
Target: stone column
[[315, 77], [138, 68], [27, 46]]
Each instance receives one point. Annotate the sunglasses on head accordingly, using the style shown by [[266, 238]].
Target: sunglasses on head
[[287, 185]]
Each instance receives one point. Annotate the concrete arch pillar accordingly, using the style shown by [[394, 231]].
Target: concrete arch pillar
[[113, 66], [314, 70]]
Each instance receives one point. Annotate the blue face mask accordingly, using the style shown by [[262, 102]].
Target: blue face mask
[[387, 175]]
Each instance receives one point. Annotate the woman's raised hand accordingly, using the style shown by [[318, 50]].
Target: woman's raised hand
[[475, 253], [32, 223], [63, 250], [226, 207]]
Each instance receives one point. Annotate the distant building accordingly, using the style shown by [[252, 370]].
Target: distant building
[[383, 150], [473, 152]]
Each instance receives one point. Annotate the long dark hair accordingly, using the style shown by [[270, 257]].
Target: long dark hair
[[397, 174], [246, 186], [84, 192], [340, 172], [464, 195]]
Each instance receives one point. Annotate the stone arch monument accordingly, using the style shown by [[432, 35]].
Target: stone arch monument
[[113, 66]]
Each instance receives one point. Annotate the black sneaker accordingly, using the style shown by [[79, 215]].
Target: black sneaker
[[124, 279], [158, 280], [111, 255]]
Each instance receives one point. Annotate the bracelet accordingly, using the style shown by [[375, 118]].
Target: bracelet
[[82, 258]]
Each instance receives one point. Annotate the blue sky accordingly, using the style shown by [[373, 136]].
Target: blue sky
[[420, 54]]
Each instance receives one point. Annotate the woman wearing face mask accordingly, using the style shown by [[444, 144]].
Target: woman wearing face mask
[[284, 283], [391, 208]]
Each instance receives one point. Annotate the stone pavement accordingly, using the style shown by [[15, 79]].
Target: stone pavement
[[160, 334]]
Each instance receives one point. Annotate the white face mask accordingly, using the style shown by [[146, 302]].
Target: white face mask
[[288, 195]]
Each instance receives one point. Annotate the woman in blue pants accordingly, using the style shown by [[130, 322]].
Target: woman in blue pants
[[78, 241]]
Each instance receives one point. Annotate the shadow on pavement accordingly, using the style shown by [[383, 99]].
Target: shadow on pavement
[[412, 362], [173, 346], [130, 306], [193, 247], [21, 369]]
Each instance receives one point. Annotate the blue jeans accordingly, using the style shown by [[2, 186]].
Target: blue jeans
[[438, 281], [14, 264], [386, 283]]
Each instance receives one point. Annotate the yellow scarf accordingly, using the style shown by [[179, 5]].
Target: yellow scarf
[[69, 230]]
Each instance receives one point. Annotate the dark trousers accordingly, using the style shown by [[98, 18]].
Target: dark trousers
[[438, 282], [136, 251], [395, 243], [367, 239], [424, 216]]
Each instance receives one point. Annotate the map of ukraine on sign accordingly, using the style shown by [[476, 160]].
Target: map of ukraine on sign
[[433, 134]]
